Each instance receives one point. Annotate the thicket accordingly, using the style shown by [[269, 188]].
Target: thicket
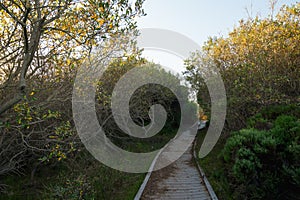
[[38, 134], [263, 161], [42, 46], [259, 63]]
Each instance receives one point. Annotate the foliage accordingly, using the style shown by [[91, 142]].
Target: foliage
[[47, 39], [259, 64], [263, 119], [27, 125], [73, 189], [272, 112], [42, 45], [140, 102], [81, 178], [50, 139], [265, 163], [258, 61]]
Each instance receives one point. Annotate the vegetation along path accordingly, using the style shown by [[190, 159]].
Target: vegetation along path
[[180, 180]]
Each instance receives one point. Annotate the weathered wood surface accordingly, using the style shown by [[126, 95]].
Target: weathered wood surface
[[180, 180]]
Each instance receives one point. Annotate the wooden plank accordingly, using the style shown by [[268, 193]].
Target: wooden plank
[[181, 180]]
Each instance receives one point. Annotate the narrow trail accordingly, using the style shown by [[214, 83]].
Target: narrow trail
[[180, 180]]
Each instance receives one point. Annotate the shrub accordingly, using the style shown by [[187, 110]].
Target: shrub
[[265, 163], [259, 64]]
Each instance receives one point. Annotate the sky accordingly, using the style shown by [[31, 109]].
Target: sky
[[198, 20]]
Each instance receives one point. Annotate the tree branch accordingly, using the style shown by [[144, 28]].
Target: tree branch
[[11, 14]]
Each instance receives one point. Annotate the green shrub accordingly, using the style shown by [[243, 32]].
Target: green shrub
[[255, 120], [272, 112], [265, 163]]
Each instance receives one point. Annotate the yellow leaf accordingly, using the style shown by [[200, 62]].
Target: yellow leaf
[[204, 117], [94, 16], [101, 22]]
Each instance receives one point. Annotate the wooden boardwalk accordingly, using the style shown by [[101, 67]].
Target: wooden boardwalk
[[180, 180]]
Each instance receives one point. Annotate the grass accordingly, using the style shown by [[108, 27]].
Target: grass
[[86, 179], [82, 177], [213, 167]]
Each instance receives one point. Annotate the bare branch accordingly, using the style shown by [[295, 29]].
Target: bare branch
[[11, 14], [12, 102]]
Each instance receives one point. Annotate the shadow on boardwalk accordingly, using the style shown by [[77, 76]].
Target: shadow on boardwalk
[[180, 180]]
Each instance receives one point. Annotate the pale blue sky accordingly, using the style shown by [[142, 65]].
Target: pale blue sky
[[199, 19]]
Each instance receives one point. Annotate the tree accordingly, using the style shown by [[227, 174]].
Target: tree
[[45, 38], [141, 100], [259, 63], [40, 128], [43, 43]]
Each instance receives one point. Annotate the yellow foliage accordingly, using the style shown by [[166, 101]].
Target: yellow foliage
[[204, 117], [258, 61], [68, 61], [101, 22]]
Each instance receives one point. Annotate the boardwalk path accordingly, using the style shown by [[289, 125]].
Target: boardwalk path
[[180, 180]]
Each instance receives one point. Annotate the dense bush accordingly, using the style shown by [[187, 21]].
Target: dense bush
[[140, 102], [265, 163], [258, 61], [38, 134], [263, 119], [259, 64]]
